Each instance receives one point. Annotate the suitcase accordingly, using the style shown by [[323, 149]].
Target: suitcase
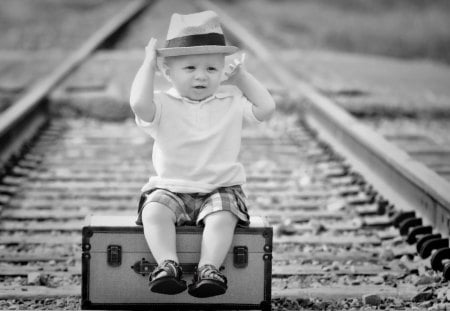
[[116, 262]]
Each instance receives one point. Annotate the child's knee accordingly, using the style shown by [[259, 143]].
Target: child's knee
[[156, 214], [221, 218]]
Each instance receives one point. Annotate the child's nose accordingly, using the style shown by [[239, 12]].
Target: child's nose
[[200, 74]]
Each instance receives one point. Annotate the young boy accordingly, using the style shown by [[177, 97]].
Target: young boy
[[196, 126]]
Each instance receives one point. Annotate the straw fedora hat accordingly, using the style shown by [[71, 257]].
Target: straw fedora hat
[[198, 33]]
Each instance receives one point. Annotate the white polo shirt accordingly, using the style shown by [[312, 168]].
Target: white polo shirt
[[197, 143]]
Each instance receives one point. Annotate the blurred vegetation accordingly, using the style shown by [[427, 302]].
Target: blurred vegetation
[[399, 28], [48, 24]]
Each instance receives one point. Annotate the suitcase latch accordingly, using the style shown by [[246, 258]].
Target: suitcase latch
[[143, 267], [240, 256], [114, 255]]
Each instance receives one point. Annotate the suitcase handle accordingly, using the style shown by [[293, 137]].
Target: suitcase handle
[[144, 267]]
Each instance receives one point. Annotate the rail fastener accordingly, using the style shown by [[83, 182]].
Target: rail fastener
[[432, 244], [438, 258], [418, 230], [408, 223]]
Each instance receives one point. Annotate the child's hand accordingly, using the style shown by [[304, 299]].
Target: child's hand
[[235, 70], [150, 51]]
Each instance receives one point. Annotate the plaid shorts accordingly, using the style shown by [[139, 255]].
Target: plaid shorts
[[192, 208]]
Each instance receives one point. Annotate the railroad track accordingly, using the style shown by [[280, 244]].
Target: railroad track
[[335, 243]]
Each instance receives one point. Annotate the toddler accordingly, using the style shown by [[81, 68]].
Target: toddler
[[196, 126]]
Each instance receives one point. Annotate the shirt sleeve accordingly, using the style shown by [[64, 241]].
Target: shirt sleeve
[[249, 116], [151, 127]]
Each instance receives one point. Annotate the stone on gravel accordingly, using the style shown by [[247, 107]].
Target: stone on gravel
[[422, 297], [441, 294], [316, 226], [425, 280], [355, 303], [38, 279], [426, 304], [396, 303], [371, 299], [34, 278], [285, 228], [443, 306], [335, 205], [377, 280], [333, 267], [387, 254]]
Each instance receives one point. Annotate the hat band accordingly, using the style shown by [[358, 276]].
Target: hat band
[[196, 40]]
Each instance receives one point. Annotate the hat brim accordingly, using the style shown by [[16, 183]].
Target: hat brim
[[201, 49]]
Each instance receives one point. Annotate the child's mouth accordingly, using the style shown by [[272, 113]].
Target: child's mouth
[[200, 87]]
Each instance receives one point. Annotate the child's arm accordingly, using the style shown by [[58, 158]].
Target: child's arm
[[257, 94], [141, 97]]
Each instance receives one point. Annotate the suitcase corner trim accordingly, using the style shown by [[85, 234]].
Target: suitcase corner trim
[[85, 264]]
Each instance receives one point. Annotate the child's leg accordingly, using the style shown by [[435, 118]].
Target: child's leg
[[217, 237], [159, 230]]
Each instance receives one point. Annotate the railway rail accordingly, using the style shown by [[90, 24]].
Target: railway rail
[[325, 187]]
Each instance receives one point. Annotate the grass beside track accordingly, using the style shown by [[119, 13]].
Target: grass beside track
[[52, 24], [403, 28]]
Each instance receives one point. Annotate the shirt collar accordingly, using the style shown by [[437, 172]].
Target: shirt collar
[[219, 95]]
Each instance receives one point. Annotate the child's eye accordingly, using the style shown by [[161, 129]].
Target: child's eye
[[189, 67], [212, 69]]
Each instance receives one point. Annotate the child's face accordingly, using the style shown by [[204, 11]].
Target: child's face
[[195, 76]]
